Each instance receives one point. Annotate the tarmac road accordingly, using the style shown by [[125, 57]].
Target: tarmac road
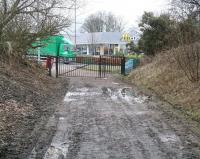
[[104, 119]]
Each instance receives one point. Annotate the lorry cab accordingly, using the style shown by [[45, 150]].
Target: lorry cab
[[54, 46], [66, 49]]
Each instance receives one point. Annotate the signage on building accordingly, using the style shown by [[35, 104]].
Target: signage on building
[[126, 38]]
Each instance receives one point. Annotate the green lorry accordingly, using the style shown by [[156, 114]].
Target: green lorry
[[54, 46]]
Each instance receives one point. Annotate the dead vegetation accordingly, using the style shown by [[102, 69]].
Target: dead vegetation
[[27, 97], [174, 74], [188, 60], [27, 94], [169, 79]]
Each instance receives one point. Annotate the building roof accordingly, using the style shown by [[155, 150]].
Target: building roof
[[99, 38]]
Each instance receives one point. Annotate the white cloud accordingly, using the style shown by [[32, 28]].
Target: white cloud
[[130, 10]]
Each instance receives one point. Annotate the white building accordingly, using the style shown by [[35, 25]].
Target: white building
[[100, 43]]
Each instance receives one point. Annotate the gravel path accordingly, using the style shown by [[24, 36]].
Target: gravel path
[[105, 119]]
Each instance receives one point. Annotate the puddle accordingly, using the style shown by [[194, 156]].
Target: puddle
[[111, 94], [114, 98], [33, 154], [67, 99], [123, 95], [127, 94], [140, 99], [142, 113], [115, 83], [72, 94], [80, 92], [82, 89], [61, 118], [109, 91], [131, 97], [169, 138], [57, 151]]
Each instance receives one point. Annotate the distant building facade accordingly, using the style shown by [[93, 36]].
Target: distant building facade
[[100, 43]]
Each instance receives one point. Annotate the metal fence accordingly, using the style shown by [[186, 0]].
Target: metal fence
[[89, 66], [131, 64]]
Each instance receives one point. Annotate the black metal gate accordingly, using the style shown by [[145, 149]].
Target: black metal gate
[[89, 66]]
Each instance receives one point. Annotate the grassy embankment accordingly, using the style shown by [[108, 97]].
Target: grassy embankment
[[27, 98], [166, 79]]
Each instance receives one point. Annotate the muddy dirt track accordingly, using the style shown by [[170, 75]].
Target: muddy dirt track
[[105, 119]]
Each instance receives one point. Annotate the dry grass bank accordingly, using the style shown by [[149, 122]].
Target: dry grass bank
[[166, 79], [28, 97]]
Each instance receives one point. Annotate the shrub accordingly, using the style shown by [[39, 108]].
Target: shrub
[[135, 56], [188, 59]]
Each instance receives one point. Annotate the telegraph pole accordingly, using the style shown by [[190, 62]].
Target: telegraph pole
[[75, 11], [38, 17]]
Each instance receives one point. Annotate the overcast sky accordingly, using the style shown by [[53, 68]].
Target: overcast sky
[[130, 10]]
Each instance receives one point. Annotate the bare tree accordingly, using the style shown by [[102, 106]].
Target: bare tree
[[24, 21], [94, 23], [185, 37], [193, 2], [188, 60], [113, 23], [92, 39], [103, 22], [184, 9]]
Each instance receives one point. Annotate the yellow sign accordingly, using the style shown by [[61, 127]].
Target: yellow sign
[[126, 37]]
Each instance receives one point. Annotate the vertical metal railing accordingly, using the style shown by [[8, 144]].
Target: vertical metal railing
[[90, 66], [100, 66], [123, 63], [57, 65]]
